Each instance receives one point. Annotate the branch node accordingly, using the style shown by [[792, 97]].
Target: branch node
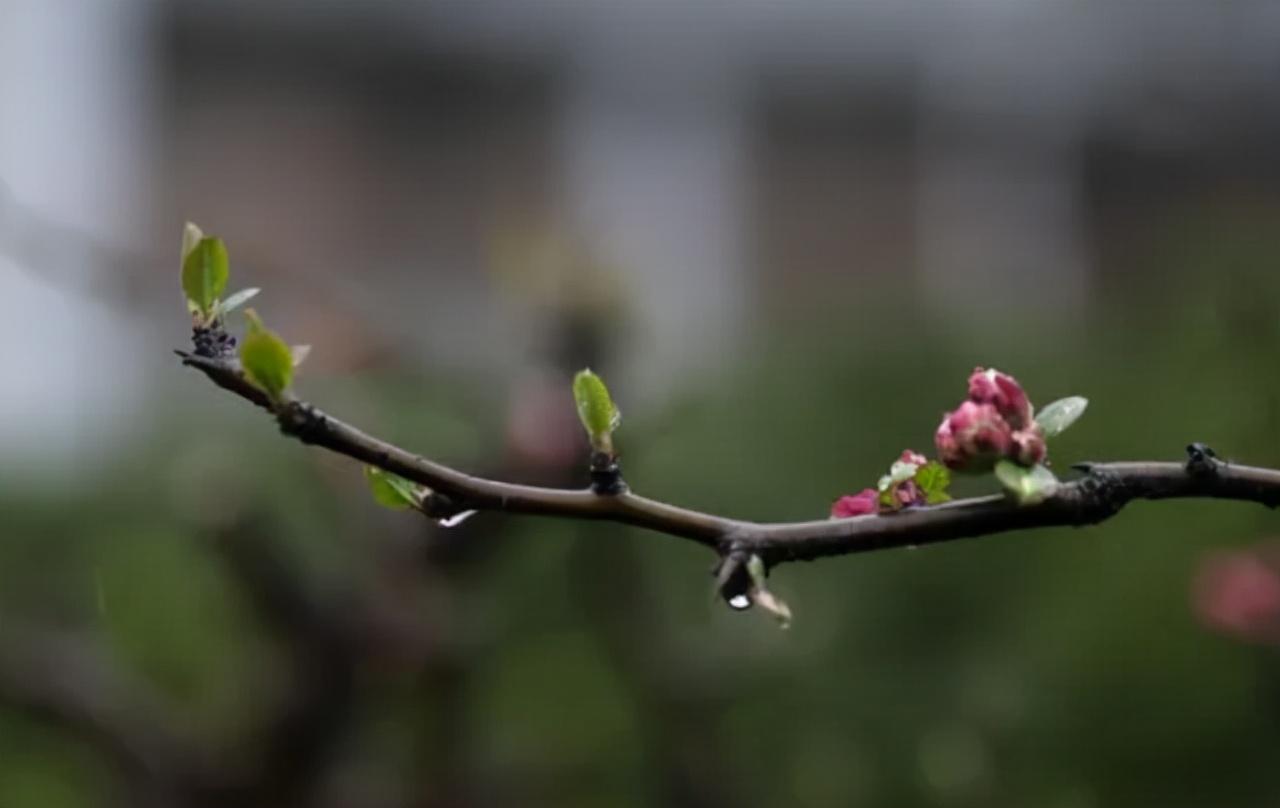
[[440, 506], [606, 475], [1103, 494], [1202, 461], [213, 341], [301, 420], [732, 572]]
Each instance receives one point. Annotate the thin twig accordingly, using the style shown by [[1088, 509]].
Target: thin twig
[[1098, 495]]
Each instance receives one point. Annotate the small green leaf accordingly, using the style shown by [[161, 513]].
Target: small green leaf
[[599, 415], [1029, 486], [934, 479], [1054, 419], [266, 359], [204, 274], [236, 300], [391, 490]]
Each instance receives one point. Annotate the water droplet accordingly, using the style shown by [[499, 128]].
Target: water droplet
[[739, 602], [457, 519]]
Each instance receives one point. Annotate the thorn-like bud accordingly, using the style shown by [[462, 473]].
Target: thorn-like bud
[[733, 580]]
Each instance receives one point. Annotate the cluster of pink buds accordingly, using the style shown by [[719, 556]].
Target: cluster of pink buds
[[895, 493], [994, 423]]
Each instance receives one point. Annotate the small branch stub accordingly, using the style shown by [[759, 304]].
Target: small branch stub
[[740, 581], [1202, 461], [606, 474], [733, 580]]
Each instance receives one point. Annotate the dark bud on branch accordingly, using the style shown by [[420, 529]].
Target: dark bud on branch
[[606, 474]]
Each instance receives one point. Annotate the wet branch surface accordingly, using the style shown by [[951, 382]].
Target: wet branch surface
[[1101, 491]]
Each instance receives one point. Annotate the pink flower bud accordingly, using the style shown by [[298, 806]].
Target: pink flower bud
[[1004, 392], [859, 504], [948, 448], [908, 493], [973, 437], [1027, 447], [915, 458]]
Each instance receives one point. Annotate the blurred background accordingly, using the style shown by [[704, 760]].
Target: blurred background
[[785, 233]]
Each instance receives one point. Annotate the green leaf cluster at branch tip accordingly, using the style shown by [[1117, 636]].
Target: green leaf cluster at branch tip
[[267, 361], [599, 415], [205, 271]]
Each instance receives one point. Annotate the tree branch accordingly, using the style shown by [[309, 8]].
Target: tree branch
[[1099, 494]]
